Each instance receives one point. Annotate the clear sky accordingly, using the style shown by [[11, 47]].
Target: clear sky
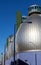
[[8, 9]]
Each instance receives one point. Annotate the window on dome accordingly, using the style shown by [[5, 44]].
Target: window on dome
[[29, 22], [30, 8]]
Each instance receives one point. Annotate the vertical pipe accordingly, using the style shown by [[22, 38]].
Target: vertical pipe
[[35, 59], [4, 58], [4, 54], [14, 44]]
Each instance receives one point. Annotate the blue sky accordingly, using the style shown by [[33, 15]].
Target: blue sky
[[8, 9]]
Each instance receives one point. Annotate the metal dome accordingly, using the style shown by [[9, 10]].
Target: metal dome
[[28, 36], [34, 9]]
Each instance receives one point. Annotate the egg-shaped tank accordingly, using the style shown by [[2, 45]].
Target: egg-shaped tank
[[28, 36], [9, 52]]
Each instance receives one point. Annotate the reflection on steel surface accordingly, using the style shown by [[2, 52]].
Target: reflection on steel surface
[[28, 36]]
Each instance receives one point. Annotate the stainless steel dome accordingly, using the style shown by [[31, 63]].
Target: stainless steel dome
[[28, 36], [34, 9]]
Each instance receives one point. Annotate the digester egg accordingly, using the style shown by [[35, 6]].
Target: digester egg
[[28, 36]]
